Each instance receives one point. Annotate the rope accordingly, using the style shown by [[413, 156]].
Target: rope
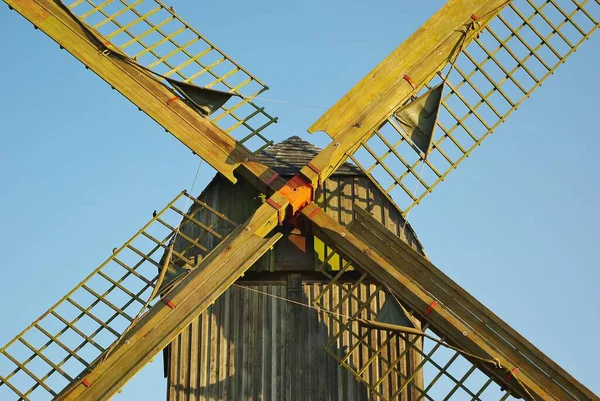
[[452, 64], [495, 362], [415, 195], [294, 302], [285, 102]]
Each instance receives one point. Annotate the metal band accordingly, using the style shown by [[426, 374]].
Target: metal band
[[173, 99], [410, 81], [169, 303], [273, 178], [430, 308], [314, 212]]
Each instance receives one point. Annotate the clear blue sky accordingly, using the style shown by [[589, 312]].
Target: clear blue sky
[[81, 170]]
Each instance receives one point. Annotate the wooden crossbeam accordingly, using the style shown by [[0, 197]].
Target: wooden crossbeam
[[458, 316], [218, 148], [180, 306], [390, 83]]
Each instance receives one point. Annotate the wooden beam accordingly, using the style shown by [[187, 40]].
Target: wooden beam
[[218, 148], [159, 326], [458, 317], [385, 88]]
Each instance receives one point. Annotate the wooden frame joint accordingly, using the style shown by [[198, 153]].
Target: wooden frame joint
[[299, 192]]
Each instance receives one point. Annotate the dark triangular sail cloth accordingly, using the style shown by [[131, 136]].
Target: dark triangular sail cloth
[[393, 313], [419, 117], [206, 100]]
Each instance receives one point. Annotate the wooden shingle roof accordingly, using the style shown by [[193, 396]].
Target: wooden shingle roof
[[289, 156]]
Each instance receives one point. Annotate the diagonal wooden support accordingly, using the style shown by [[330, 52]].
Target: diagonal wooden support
[[218, 148], [457, 315], [392, 82], [178, 308]]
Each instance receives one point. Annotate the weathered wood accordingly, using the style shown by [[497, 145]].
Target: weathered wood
[[162, 323], [453, 324], [384, 89], [524, 354], [218, 148]]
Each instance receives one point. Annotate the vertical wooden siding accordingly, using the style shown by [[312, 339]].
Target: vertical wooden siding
[[249, 346]]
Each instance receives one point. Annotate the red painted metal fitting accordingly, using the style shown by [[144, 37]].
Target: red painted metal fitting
[[86, 382], [410, 81], [314, 212], [474, 17], [169, 303], [173, 99], [299, 192], [273, 178], [512, 373], [430, 308]]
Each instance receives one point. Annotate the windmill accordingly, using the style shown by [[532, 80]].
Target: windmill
[[536, 37]]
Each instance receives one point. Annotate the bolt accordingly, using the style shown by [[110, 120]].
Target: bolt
[[343, 234], [357, 125], [228, 248], [245, 159], [127, 342], [366, 251], [247, 229], [336, 144]]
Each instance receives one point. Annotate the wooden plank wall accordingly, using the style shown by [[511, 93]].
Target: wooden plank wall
[[249, 346]]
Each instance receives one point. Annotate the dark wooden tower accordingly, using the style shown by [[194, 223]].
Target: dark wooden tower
[[250, 345]]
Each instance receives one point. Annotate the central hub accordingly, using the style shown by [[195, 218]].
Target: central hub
[[299, 192]]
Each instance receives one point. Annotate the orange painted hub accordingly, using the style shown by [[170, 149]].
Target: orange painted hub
[[299, 192]]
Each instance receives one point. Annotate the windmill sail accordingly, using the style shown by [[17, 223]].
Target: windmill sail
[[50, 354], [419, 117], [500, 56], [206, 100]]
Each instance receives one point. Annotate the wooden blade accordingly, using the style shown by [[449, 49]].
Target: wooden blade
[[385, 88], [48, 355], [459, 317], [102, 54], [500, 56], [168, 318]]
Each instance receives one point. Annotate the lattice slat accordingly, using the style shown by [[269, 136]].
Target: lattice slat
[[154, 35], [392, 365], [492, 76], [53, 350]]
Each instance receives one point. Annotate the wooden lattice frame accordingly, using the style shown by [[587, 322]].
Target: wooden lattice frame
[[507, 60], [404, 365], [44, 358], [156, 37]]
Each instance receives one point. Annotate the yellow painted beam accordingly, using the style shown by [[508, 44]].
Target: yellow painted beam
[[218, 148], [458, 317], [166, 320], [384, 89]]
